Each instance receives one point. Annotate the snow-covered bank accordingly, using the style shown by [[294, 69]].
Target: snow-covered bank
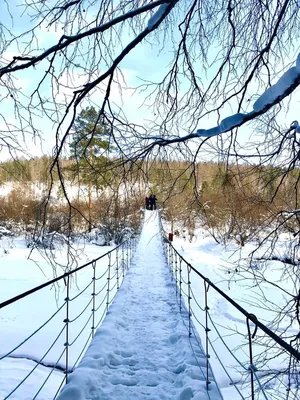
[[259, 297], [20, 319], [142, 350]]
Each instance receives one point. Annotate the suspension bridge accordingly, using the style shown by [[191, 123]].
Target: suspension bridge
[[137, 337]]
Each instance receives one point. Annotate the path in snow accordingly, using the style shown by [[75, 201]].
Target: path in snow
[[142, 349]]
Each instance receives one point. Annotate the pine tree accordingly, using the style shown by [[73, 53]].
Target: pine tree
[[89, 148]]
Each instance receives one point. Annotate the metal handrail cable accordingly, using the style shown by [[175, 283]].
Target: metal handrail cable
[[101, 290], [30, 336], [200, 367], [37, 364], [84, 347], [194, 298], [79, 315], [191, 295], [223, 341], [104, 298], [80, 332], [225, 370], [200, 323], [111, 289], [101, 276], [80, 293], [104, 312], [65, 275], [54, 366], [250, 316], [237, 360]]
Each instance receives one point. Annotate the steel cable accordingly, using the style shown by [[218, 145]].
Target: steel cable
[[194, 298], [229, 350], [199, 343], [79, 315], [67, 321], [104, 312], [80, 354], [200, 323], [101, 290], [60, 386], [294, 352], [80, 293], [101, 276], [258, 381], [104, 298], [49, 374], [237, 360], [195, 356], [225, 370], [66, 274], [186, 295], [37, 330], [113, 277], [111, 289], [84, 326], [37, 364]]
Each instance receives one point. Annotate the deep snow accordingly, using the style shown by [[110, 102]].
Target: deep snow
[[142, 350]]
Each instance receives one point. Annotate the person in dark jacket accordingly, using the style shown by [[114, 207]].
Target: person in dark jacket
[[152, 201], [147, 203]]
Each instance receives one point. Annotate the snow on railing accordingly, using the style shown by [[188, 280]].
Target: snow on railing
[[104, 288], [253, 378]]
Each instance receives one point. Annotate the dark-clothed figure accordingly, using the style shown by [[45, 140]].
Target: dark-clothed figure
[[152, 202], [147, 203]]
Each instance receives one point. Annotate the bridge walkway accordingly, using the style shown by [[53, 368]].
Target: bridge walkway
[[142, 350]]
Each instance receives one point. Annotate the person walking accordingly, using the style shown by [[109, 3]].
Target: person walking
[[152, 201], [147, 203]]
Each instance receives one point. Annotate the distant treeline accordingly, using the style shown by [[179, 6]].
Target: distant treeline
[[231, 201]]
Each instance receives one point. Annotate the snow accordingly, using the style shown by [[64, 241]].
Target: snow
[[295, 124], [277, 90], [217, 263], [20, 319], [157, 15], [269, 97], [209, 132], [232, 121], [142, 350]]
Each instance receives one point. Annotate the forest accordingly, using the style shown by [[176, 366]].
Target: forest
[[232, 202]]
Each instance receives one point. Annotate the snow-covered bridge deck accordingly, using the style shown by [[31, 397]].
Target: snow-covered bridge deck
[[142, 350]]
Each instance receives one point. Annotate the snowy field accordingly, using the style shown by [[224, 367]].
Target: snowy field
[[19, 320]]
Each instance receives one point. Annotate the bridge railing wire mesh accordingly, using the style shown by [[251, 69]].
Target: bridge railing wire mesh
[[253, 376], [75, 320]]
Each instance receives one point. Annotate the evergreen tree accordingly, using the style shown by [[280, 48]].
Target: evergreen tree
[[89, 137], [89, 148]]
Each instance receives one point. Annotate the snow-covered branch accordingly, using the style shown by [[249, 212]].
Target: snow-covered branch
[[287, 83], [66, 41]]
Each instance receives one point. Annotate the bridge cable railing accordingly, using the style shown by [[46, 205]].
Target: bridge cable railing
[[76, 323], [252, 382]]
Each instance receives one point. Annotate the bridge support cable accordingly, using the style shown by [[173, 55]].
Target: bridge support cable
[[75, 333], [253, 377], [207, 330], [66, 321]]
